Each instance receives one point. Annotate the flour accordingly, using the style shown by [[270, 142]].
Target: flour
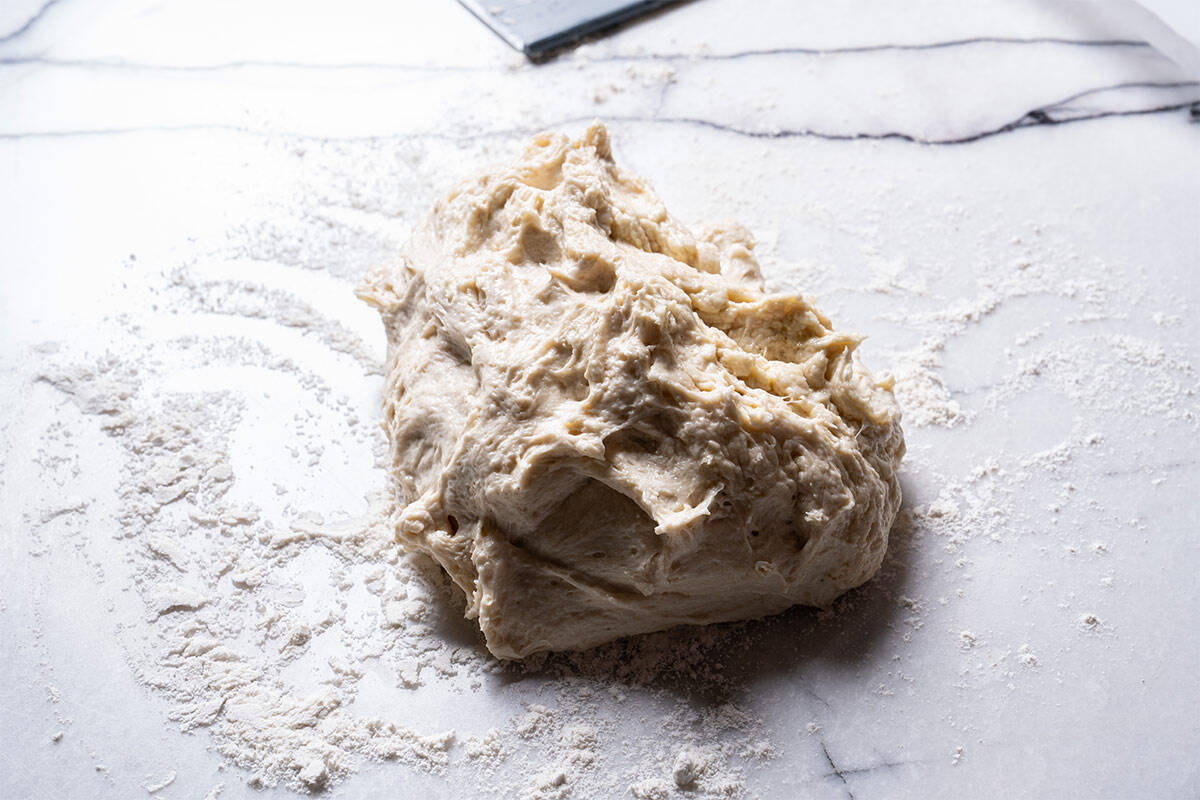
[[921, 390], [223, 616], [689, 763], [159, 785], [1026, 656]]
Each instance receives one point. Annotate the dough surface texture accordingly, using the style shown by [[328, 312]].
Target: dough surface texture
[[602, 424]]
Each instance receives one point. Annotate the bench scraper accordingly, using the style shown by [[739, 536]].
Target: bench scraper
[[538, 27]]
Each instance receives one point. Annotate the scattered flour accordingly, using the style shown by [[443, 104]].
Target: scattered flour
[[920, 389], [1026, 656], [159, 785]]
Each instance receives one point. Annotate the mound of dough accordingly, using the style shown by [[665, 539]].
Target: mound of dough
[[602, 424]]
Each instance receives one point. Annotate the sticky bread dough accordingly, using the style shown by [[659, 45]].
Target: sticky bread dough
[[601, 424]]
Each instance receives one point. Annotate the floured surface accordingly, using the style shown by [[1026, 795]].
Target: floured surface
[[1030, 628], [269, 613]]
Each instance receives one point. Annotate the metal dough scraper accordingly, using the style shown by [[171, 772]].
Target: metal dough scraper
[[538, 27]]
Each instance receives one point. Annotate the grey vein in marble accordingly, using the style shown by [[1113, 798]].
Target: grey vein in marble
[[29, 23], [101, 63], [1053, 114]]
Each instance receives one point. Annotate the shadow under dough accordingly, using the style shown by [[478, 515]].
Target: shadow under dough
[[712, 664]]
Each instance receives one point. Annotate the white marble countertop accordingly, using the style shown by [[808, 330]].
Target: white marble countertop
[[1004, 196]]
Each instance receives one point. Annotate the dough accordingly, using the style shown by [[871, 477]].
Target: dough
[[601, 424]]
